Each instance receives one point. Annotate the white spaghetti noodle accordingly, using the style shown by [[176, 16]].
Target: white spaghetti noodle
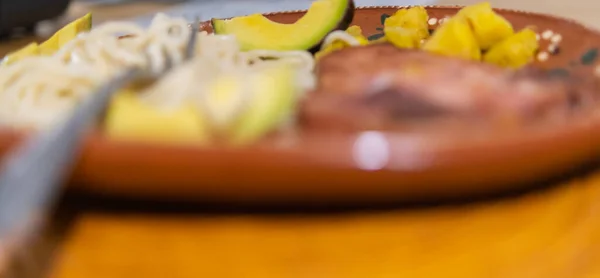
[[37, 91], [104, 50], [339, 36], [221, 54]]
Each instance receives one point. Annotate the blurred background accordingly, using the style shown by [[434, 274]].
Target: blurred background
[[141, 10]]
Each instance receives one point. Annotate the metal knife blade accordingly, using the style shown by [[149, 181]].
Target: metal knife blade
[[32, 172]]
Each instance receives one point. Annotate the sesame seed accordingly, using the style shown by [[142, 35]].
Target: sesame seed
[[432, 21], [542, 56], [547, 34], [556, 38]]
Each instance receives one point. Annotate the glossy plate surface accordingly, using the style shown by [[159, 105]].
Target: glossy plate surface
[[366, 167]]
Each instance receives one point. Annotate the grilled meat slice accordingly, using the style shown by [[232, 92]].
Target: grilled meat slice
[[380, 84]]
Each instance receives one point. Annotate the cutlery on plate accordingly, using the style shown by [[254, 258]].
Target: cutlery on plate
[[32, 172]]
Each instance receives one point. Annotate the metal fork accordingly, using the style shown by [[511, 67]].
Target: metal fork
[[32, 172]]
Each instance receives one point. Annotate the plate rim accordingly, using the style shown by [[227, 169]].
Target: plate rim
[[7, 134]]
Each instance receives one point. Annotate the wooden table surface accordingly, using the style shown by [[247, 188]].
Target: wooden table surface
[[553, 232]]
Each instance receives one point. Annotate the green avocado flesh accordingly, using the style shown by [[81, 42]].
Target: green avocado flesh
[[272, 100], [257, 32]]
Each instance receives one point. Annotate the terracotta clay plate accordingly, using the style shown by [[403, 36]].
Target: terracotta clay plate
[[370, 166]]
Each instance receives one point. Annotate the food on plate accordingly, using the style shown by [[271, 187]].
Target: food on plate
[[340, 39], [258, 32], [454, 38], [383, 84], [151, 49], [32, 99], [31, 49], [66, 34], [272, 104], [130, 118], [38, 91], [488, 27], [356, 32], [60, 38], [49, 46], [469, 34], [407, 28], [253, 77], [515, 51], [236, 96], [69, 32]]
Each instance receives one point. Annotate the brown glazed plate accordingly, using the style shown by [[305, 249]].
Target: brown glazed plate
[[370, 166]]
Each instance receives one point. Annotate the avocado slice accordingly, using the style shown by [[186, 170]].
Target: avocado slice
[[272, 98], [50, 46], [242, 107], [66, 34], [258, 32], [273, 102], [31, 49], [69, 32], [129, 118]]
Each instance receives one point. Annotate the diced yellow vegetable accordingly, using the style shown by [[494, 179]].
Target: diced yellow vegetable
[[515, 51], [129, 118], [355, 31], [454, 38], [489, 27], [407, 27], [402, 37], [31, 49], [414, 18]]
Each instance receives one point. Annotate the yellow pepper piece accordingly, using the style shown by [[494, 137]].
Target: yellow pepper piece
[[354, 30], [489, 27], [414, 18], [31, 49], [336, 45], [515, 51], [454, 38], [130, 118], [407, 27], [402, 38]]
